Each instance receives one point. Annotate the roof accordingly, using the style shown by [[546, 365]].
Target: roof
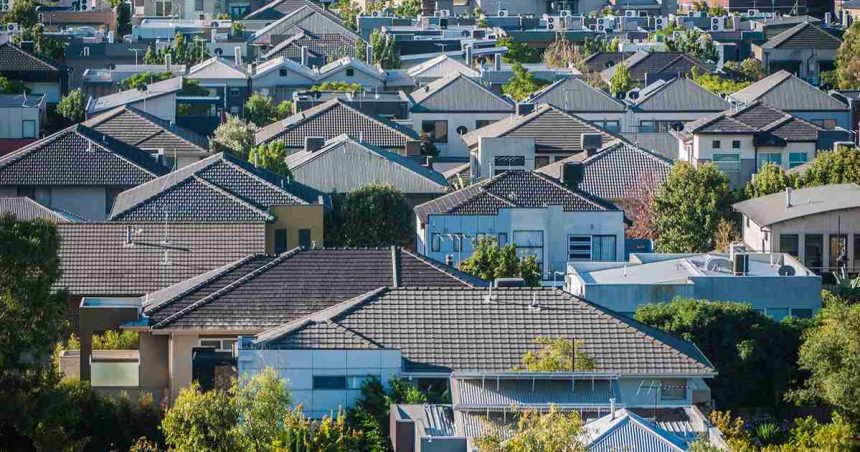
[[786, 91], [308, 18], [456, 328], [277, 9], [323, 45], [552, 129], [529, 390], [440, 67], [772, 209], [344, 165], [78, 156], [572, 94], [511, 190], [145, 131], [767, 123], [96, 258], [16, 59], [599, 61], [624, 429], [260, 291], [25, 209], [217, 68], [350, 62], [678, 95], [157, 89], [803, 36], [218, 189], [653, 63], [460, 94], [279, 62], [20, 100], [431, 420], [331, 119], [617, 171]]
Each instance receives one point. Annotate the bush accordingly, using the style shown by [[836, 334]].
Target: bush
[[110, 340]]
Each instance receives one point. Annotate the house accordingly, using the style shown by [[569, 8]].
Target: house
[[450, 107], [342, 164], [40, 76], [740, 141], [575, 96], [158, 99], [777, 285], [192, 326], [76, 170], [21, 119], [394, 106], [805, 50], [439, 67], [552, 220], [352, 70], [226, 79], [816, 225], [174, 145], [313, 50], [103, 82], [600, 61], [785, 91], [663, 103], [431, 334], [27, 209], [276, 10], [542, 131], [335, 118], [309, 18], [646, 67], [280, 77]]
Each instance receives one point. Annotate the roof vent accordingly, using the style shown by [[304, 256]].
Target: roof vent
[[313, 144], [509, 282], [591, 143], [534, 306]]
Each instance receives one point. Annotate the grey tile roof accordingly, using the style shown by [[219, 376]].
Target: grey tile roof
[[511, 189], [96, 259], [25, 209], [344, 165], [154, 90], [771, 209], [554, 131], [308, 18], [277, 9], [458, 94], [259, 292], [599, 61], [219, 189], [572, 94], [458, 329], [678, 95], [654, 63], [143, 130], [324, 45], [803, 36], [328, 336], [78, 156], [786, 91], [331, 119], [15, 59], [616, 171], [756, 118]]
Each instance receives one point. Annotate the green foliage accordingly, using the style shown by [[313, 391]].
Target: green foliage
[[561, 53], [73, 106], [718, 84], [261, 111], [234, 135], [556, 355], [847, 58], [833, 167], [408, 8], [327, 434], [374, 215], [263, 402], [271, 156], [754, 354], [598, 44], [109, 340], [237, 29], [689, 206], [769, 179], [523, 83], [489, 261], [694, 42], [344, 87], [385, 53], [348, 11], [518, 52], [717, 11], [12, 86], [554, 430], [123, 18], [428, 147], [181, 50], [145, 78], [620, 81], [202, 421], [807, 434], [369, 415], [23, 13]]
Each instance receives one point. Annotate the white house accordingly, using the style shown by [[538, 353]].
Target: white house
[[158, 99], [21, 119]]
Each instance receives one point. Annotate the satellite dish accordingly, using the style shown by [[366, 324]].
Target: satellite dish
[[677, 126], [142, 87], [214, 24], [786, 270], [219, 52], [633, 95]]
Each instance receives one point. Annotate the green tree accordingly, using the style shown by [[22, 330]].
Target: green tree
[[769, 179], [370, 413], [556, 355], [718, 84], [261, 111], [833, 167], [263, 402], [385, 53], [234, 135], [348, 11], [598, 44], [848, 58], [554, 430], [23, 13], [717, 11], [689, 206], [620, 81], [756, 356], [489, 261], [202, 421], [376, 215], [12, 86], [518, 52], [408, 8], [72, 106], [694, 42], [523, 83], [123, 18], [146, 78], [344, 87], [271, 156], [327, 434]]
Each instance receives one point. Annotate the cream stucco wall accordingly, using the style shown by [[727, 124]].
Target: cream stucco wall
[[293, 218]]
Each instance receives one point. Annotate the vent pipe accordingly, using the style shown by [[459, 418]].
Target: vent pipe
[[497, 62], [369, 54], [237, 55], [305, 56], [612, 408], [787, 197], [168, 60]]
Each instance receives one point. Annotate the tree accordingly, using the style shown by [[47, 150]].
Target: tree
[[181, 51], [385, 53], [518, 52], [72, 106], [146, 78], [263, 402], [769, 179], [754, 354], [554, 430], [326, 434], [847, 58], [556, 355], [234, 135], [428, 147], [640, 206], [344, 87], [123, 18], [271, 156], [694, 42], [489, 261], [348, 11], [261, 111], [523, 83], [718, 84], [12, 86], [620, 81], [376, 215], [598, 44], [370, 413], [561, 53], [807, 434], [689, 206], [408, 8], [831, 354], [833, 167], [202, 421], [23, 13]]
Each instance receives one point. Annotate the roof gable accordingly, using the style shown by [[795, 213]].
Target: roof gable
[[757, 119], [785, 91], [574, 95], [143, 130], [458, 93], [24, 209], [679, 94], [16, 59], [440, 67], [803, 36], [625, 429], [308, 18], [130, 96], [216, 68]]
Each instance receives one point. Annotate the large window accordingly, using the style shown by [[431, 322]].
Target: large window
[[509, 160], [609, 126], [305, 238], [28, 128], [163, 8], [219, 344], [797, 159], [329, 382], [591, 248], [715, 144], [579, 247], [673, 389], [541, 161], [728, 163], [838, 251], [813, 249], [789, 244], [438, 130], [764, 158], [280, 241], [529, 243], [647, 126]]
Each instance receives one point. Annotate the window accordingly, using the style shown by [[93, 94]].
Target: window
[[813, 250], [736, 144], [438, 130], [305, 238], [838, 251], [43, 195], [28, 128], [28, 192], [283, 72], [579, 247], [541, 161], [764, 158], [728, 163], [509, 160], [280, 241], [435, 242], [529, 243], [503, 239], [462, 130], [461, 2], [350, 72], [647, 126], [198, 5], [797, 159], [673, 389], [235, 92], [603, 248], [356, 382], [329, 382], [482, 122], [802, 313], [777, 313], [611, 126], [456, 238], [163, 8], [789, 244], [828, 124], [219, 344], [559, 158], [715, 144]]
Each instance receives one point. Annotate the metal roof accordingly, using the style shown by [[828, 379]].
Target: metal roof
[[774, 208], [786, 91]]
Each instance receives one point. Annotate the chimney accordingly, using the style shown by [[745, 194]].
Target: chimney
[[469, 56], [252, 69], [369, 54], [787, 197], [591, 143], [237, 55], [612, 407], [572, 174], [168, 62], [305, 56], [497, 62], [313, 144]]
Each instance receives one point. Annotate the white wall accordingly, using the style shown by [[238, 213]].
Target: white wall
[[163, 107], [11, 121], [51, 90], [489, 148], [360, 77], [455, 147]]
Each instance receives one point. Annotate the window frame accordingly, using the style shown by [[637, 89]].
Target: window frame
[[604, 237], [221, 340], [716, 144], [24, 130], [571, 256], [435, 242], [792, 163], [732, 165], [350, 72], [330, 386], [524, 250], [796, 238], [681, 392], [432, 127], [736, 144], [278, 235]]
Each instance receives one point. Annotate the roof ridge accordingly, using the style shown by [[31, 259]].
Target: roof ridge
[[233, 164], [442, 269], [577, 193], [14, 156]]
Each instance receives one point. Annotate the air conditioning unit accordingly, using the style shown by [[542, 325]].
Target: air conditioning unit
[[630, 13], [502, 13], [41, 18], [12, 27], [565, 13], [601, 22], [5, 5], [376, 13], [752, 12], [551, 23], [659, 23], [444, 13], [718, 23]]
